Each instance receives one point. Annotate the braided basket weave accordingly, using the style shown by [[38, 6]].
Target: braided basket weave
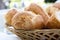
[[43, 34]]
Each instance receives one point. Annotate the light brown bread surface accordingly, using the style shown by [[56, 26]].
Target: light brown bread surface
[[38, 10], [9, 15], [27, 20], [51, 10], [54, 21]]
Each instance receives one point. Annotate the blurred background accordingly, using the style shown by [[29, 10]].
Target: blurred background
[[8, 4]]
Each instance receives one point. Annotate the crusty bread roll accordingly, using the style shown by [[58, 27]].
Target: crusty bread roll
[[9, 15], [38, 10], [27, 20], [54, 21], [50, 10]]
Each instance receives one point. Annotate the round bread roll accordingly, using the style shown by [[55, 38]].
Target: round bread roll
[[9, 15], [27, 20], [54, 21], [38, 10]]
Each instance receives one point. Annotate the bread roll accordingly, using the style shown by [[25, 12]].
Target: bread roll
[[38, 10], [50, 10], [54, 21], [9, 15], [27, 20]]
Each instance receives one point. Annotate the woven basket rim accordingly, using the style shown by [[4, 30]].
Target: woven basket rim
[[10, 29]]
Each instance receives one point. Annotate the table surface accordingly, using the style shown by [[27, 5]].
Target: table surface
[[3, 34]]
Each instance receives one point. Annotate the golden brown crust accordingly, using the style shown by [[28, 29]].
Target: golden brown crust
[[9, 15], [38, 22], [38, 10], [24, 20], [54, 21]]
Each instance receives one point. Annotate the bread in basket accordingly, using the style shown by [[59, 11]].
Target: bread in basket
[[28, 25]]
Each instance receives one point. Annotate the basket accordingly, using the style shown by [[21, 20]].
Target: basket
[[43, 34]]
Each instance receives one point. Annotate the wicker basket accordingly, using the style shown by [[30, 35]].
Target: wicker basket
[[44, 34]]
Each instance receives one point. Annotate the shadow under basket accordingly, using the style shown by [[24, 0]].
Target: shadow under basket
[[43, 34]]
